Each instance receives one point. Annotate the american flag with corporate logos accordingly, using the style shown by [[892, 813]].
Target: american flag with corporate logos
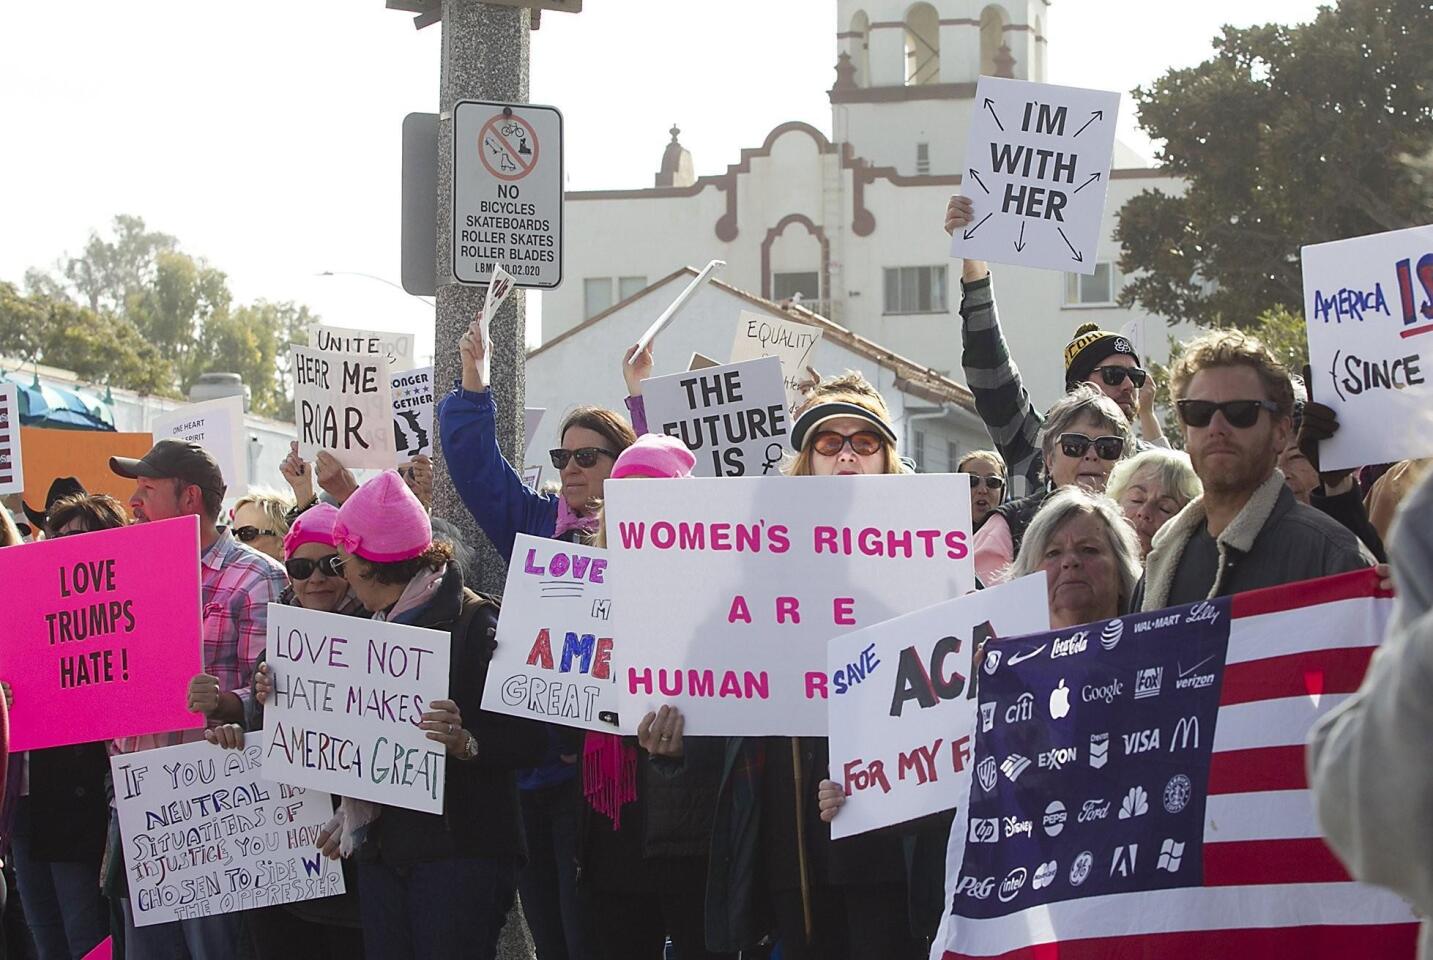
[[1140, 789]]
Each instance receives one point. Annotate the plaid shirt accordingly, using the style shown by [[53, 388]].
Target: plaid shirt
[[239, 583]]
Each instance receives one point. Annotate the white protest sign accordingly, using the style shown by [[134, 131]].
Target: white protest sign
[[725, 591], [343, 403], [12, 468], [764, 336], [413, 412], [1037, 164], [500, 284], [701, 361], [348, 696], [507, 192], [531, 417], [204, 832], [218, 427], [555, 659], [395, 348], [902, 710], [670, 314], [532, 477], [1368, 304], [732, 417]]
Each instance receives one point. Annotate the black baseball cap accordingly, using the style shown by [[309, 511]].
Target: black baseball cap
[[174, 460]]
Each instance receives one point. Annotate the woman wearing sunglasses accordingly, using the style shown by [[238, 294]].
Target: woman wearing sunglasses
[[1085, 434], [259, 521], [986, 470]]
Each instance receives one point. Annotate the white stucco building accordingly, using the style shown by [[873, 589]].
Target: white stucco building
[[853, 220]]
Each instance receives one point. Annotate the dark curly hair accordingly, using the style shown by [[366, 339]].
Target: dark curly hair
[[438, 553]]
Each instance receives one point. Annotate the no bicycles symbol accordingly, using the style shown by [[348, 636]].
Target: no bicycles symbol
[[508, 147]]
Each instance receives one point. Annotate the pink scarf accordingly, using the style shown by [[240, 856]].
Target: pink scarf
[[609, 774], [568, 520]]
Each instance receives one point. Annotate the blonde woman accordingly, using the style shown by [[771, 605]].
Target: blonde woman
[[260, 520]]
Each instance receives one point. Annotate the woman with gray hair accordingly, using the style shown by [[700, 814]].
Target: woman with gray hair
[[1088, 552], [1084, 435], [1151, 487]]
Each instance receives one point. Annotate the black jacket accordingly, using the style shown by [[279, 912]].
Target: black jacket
[[69, 815], [1018, 514]]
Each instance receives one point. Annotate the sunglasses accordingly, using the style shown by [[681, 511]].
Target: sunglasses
[[991, 483], [250, 534], [585, 457], [863, 443], [301, 568], [1106, 448], [1241, 414], [1114, 376]]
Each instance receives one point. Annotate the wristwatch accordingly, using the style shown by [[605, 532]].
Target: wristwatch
[[470, 747]]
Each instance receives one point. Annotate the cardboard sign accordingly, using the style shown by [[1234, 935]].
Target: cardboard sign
[[726, 592], [82, 454], [732, 417], [556, 659], [759, 335], [348, 695], [12, 467], [99, 643], [218, 427], [1036, 169], [396, 349], [902, 712], [413, 413], [205, 833], [1368, 305], [343, 403]]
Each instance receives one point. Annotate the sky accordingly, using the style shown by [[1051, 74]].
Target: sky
[[265, 135]]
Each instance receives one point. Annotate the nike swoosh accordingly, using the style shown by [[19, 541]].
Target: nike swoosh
[[1025, 656], [1185, 673]]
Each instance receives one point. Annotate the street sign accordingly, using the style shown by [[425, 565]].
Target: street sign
[[507, 192]]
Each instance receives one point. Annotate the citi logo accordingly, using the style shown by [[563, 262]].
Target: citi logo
[[1057, 758], [1186, 734], [1010, 886], [1106, 692], [1022, 709], [1077, 643], [1141, 741]]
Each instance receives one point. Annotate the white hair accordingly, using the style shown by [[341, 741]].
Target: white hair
[[1172, 468], [1071, 501]]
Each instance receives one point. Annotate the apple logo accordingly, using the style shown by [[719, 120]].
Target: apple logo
[[1059, 701]]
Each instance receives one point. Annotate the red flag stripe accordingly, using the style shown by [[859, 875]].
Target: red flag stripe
[[1257, 769], [1344, 586], [1312, 673], [1306, 943], [1249, 862]]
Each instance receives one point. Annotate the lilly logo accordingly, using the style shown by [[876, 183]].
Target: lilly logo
[[1203, 612], [1110, 638]]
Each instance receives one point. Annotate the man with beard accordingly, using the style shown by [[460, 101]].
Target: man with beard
[[1247, 531]]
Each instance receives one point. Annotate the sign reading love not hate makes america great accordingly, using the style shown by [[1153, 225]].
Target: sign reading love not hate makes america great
[[98, 644], [349, 694], [725, 591]]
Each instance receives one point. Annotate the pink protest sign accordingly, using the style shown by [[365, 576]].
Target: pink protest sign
[[104, 951], [101, 634]]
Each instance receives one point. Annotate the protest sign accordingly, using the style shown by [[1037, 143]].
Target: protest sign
[[12, 468], [104, 950], [1150, 797], [395, 349], [725, 591], [758, 335], [348, 698], [701, 361], [531, 417], [500, 284], [82, 454], [100, 641], [556, 659], [902, 711], [1036, 167], [731, 417], [670, 314], [532, 477], [204, 832], [218, 427], [413, 412], [1367, 304], [343, 403]]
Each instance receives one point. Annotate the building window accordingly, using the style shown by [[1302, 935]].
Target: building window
[[992, 37], [630, 286], [1096, 289], [952, 455], [922, 45], [596, 296], [784, 286], [922, 159], [918, 449], [915, 290]]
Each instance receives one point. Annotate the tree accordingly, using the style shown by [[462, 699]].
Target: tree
[[1287, 136]]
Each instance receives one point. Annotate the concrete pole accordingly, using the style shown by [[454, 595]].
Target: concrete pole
[[485, 57]]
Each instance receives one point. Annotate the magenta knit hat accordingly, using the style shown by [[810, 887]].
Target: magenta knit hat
[[314, 525], [654, 455], [383, 522]]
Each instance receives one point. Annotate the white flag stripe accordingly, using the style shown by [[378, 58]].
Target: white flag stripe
[[1343, 623], [1276, 815], [1172, 911], [1271, 723]]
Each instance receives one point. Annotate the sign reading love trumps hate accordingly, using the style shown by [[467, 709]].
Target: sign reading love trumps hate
[[725, 592], [348, 697], [204, 833], [98, 645], [555, 657], [731, 417], [902, 711]]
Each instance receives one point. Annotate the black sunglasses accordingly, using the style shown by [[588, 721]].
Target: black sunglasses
[[301, 568], [250, 534], [991, 483], [1114, 376], [586, 457], [1106, 448], [1241, 414]]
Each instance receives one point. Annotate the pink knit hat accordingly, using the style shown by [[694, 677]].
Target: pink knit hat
[[383, 522], [654, 455], [314, 525]]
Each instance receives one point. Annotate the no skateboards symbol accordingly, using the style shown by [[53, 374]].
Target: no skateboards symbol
[[508, 147]]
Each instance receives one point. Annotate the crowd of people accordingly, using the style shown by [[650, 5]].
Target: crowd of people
[[708, 847]]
